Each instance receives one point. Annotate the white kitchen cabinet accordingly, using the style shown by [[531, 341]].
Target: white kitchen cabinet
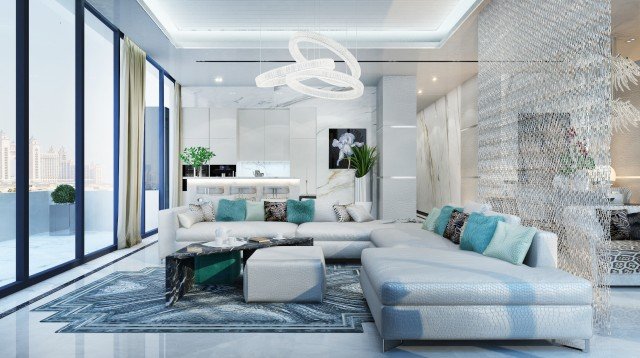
[[251, 135], [195, 123], [223, 123], [276, 135]]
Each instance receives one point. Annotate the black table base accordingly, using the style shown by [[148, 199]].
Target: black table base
[[180, 266]]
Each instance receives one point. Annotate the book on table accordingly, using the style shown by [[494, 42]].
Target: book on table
[[260, 240]]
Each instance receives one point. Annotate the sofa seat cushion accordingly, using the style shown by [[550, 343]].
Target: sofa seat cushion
[[431, 277], [410, 237], [339, 231], [203, 231]]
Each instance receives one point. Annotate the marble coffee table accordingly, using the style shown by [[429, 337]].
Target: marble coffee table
[[181, 265]]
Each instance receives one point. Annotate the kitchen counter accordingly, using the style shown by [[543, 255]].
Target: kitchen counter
[[222, 186]]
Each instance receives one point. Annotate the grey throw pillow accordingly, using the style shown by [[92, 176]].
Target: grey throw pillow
[[358, 213]]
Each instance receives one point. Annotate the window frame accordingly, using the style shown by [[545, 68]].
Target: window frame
[[23, 278]]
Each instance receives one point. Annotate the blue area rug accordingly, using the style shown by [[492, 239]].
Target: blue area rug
[[125, 302]]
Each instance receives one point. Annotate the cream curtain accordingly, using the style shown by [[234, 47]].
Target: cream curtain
[[176, 170], [132, 82]]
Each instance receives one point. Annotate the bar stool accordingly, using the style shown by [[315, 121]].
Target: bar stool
[[210, 190], [244, 192], [273, 192]]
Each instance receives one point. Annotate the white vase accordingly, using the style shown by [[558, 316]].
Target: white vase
[[363, 189]]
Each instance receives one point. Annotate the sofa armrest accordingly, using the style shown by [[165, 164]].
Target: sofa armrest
[[543, 251], [167, 226]]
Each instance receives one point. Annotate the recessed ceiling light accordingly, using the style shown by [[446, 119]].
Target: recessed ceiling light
[[434, 78], [419, 91], [630, 40], [218, 79]]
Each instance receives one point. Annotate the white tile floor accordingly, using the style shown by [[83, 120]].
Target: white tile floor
[[23, 335], [47, 251]]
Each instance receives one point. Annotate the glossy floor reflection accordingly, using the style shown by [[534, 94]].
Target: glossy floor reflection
[[47, 251], [23, 335]]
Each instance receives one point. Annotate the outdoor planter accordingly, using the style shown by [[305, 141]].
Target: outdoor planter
[[62, 219]]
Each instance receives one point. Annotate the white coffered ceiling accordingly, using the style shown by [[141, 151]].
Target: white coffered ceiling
[[269, 23]]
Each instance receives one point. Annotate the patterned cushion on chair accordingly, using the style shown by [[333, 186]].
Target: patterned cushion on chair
[[634, 226], [619, 224], [275, 211], [454, 227]]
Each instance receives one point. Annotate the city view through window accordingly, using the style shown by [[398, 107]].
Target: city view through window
[[52, 152]]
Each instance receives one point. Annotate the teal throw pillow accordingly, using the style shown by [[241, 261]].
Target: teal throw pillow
[[299, 212], [430, 222], [443, 218], [478, 232], [231, 210], [510, 243], [255, 211]]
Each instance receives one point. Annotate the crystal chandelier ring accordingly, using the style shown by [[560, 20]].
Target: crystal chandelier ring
[[329, 44], [277, 77], [294, 81]]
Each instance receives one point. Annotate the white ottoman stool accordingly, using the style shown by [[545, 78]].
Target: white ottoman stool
[[285, 274]]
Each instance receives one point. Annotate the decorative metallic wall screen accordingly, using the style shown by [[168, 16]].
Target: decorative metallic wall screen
[[544, 125]]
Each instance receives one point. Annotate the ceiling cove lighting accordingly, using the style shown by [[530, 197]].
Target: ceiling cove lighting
[[387, 24], [322, 69]]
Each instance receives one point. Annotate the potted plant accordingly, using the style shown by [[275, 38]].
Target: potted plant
[[363, 159], [196, 157], [62, 213]]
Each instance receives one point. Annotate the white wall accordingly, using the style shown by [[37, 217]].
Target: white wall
[[447, 149], [313, 150]]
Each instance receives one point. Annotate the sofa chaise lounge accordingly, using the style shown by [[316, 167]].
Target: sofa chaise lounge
[[421, 286]]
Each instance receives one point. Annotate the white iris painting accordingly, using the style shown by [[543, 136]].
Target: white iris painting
[[341, 142]]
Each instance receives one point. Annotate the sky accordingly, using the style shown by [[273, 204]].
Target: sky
[[52, 79]]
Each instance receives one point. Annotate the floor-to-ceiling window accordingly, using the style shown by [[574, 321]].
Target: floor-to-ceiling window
[[59, 132], [99, 147], [7, 142], [52, 133]]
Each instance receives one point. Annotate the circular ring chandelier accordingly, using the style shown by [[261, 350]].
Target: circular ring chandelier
[[350, 86], [277, 77]]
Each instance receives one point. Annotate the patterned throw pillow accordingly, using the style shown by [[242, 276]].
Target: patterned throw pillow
[[342, 213], [634, 226], [275, 211], [204, 209], [197, 210], [619, 228], [453, 231]]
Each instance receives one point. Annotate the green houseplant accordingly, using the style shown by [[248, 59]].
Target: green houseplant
[[64, 194], [363, 160], [62, 213], [196, 157]]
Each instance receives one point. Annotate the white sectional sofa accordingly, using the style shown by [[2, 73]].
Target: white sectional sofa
[[338, 240], [419, 285]]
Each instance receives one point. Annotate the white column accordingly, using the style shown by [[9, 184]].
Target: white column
[[396, 139]]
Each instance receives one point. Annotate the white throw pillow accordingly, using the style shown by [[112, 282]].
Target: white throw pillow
[[189, 218], [324, 211], [474, 207], [359, 214]]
